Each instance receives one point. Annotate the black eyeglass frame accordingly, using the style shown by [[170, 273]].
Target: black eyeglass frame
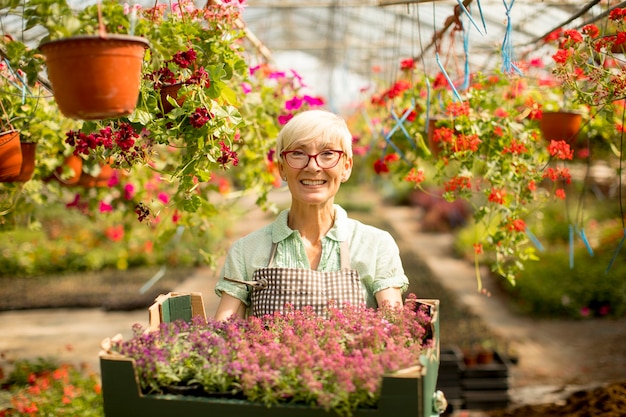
[[285, 153]]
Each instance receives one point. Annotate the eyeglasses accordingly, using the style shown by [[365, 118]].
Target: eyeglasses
[[326, 159]]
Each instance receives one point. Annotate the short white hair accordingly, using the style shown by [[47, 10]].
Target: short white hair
[[312, 125]]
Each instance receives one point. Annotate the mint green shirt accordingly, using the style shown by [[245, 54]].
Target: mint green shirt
[[373, 253]]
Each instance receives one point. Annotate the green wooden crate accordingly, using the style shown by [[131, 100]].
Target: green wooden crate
[[409, 392]]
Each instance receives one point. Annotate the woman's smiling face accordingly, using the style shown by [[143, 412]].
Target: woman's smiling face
[[313, 184]]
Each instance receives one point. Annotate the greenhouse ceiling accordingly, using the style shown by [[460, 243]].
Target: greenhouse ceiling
[[343, 44]]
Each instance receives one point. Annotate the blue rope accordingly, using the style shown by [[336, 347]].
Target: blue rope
[[482, 17], [462, 6], [535, 241], [571, 246], [583, 236], [619, 248], [466, 69], [445, 74], [508, 65], [400, 123], [23, 87], [393, 145]]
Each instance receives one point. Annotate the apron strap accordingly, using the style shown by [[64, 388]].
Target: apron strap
[[344, 253], [260, 284]]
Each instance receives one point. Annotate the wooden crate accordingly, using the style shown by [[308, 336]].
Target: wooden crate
[[409, 392]]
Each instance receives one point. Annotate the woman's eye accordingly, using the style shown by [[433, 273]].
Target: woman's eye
[[298, 154]]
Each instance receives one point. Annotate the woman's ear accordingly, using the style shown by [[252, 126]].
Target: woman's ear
[[281, 170], [347, 170]]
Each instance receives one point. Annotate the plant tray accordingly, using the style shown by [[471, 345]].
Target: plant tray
[[409, 391], [408, 394]]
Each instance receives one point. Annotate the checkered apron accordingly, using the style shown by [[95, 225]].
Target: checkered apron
[[274, 287]]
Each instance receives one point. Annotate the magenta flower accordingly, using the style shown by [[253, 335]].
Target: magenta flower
[[163, 197], [313, 101], [200, 117], [129, 191], [294, 104], [105, 207]]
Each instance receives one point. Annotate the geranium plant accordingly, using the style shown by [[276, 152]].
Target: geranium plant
[[296, 357], [485, 149]]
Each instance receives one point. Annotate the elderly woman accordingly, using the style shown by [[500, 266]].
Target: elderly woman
[[313, 254]]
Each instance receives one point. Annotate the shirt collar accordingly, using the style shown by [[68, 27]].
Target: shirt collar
[[338, 232]]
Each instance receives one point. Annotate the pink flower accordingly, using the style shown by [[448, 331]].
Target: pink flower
[[284, 118], [105, 207], [164, 198], [294, 104], [129, 191]]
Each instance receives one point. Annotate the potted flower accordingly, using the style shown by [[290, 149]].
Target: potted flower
[[293, 362], [92, 58], [489, 153]]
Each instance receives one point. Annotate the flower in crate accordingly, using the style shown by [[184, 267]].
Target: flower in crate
[[293, 357]]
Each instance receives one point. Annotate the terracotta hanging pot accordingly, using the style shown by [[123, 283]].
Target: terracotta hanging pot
[[95, 77], [10, 155], [28, 162], [434, 147], [100, 180], [75, 165], [560, 125], [171, 90]]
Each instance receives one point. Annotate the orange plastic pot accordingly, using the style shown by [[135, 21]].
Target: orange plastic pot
[[28, 163], [75, 164], [95, 77], [101, 180], [10, 155], [171, 90], [560, 125]]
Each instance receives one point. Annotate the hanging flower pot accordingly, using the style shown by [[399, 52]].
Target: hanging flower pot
[[435, 147], [10, 155], [99, 180], [72, 163], [560, 125], [95, 77], [28, 162], [171, 90]]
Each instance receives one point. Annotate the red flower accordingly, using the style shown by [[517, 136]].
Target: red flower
[[497, 196], [554, 35], [184, 59], [562, 56], [407, 64], [392, 157], [443, 134], [457, 182], [416, 176], [200, 117], [380, 167], [591, 30], [560, 149], [515, 148], [560, 193], [478, 248], [227, 155], [456, 109], [517, 225]]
